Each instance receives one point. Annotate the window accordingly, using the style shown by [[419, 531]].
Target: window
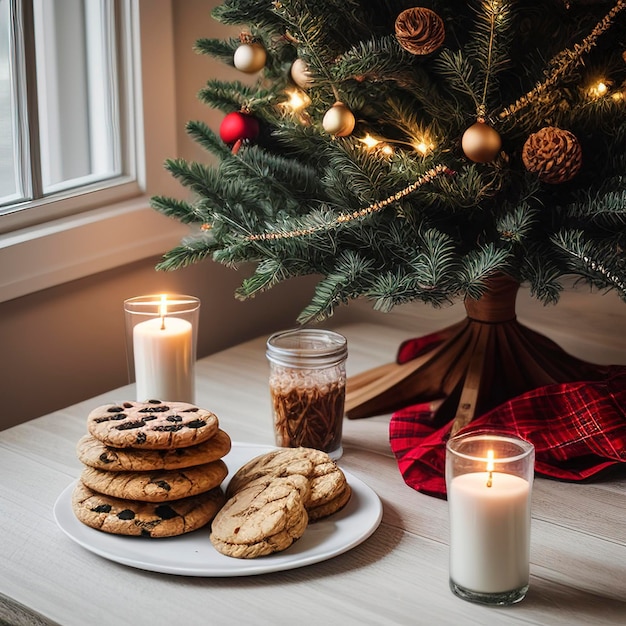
[[79, 80], [8, 139], [63, 65]]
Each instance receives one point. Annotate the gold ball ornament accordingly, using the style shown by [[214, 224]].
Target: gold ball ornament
[[481, 143], [420, 30], [300, 74], [339, 120], [553, 154], [250, 57]]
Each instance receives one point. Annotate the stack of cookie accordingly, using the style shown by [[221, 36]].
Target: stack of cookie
[[151, 468], [272, 499]]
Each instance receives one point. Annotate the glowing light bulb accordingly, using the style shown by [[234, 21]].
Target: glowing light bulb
[[598, 89], [369, 141], [297, 100]]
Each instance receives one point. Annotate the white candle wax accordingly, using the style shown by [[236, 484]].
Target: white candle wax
[[164, 359], [489, 532]]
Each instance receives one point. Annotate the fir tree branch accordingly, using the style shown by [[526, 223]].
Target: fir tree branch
[[286, 183], [233, 96], [205, 137], [267, 274], [479, 265], [490, 46], [516, 225], [247, 12], [457, 71], [178, 209], [221, 49], [599, 263], [189, 252], [384, 60], [541, 274], [607, 210], [199, 178], [344, 282]]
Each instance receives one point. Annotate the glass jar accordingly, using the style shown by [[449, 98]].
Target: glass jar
[[308, 388]]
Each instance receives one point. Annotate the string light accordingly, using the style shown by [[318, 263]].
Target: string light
[[298, 100], [369, 141], [423, 145], [598, 89]]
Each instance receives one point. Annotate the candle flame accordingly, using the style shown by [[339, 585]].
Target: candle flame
[[490, 465], [163, 310]]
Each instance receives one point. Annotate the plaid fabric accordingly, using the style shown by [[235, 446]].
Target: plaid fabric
[[578, 429]]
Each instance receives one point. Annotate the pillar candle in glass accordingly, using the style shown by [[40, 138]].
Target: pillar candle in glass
[[308, 388], [489, 479], [161, 338]]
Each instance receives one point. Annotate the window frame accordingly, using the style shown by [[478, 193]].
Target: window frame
[[111, 223]]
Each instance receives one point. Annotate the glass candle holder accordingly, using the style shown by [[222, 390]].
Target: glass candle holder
[[161, 340], [489, 479], [308, 388]]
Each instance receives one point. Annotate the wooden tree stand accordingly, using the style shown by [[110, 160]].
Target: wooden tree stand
[[479, 363]]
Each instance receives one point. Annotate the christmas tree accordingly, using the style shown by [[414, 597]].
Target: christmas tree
[[418, 153]]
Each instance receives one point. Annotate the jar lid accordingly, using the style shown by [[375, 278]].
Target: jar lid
[[307, 347]]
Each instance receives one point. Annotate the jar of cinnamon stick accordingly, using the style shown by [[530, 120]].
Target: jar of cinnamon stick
[[308, 388]]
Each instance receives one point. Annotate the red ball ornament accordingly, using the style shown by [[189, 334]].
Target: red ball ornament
[[237, 126]]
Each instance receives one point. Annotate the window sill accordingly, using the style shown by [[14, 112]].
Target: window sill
[[69, 248]]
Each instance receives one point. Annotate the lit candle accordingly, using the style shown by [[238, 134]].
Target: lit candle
[[163, 353], [489, 513]]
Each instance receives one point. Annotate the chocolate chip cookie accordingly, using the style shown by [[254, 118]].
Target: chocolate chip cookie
[[128, 517], [152, 425], [94, 453], [156, 485]]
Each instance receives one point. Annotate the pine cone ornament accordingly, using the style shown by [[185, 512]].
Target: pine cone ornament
[[553, 154], [420, 30]]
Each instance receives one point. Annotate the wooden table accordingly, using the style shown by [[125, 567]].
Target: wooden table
[[397, 576]]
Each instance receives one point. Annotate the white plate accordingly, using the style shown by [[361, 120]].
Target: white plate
[[194, 555]]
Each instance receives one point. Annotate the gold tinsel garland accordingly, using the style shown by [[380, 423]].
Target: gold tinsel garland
[[565, 61], [430, 175]]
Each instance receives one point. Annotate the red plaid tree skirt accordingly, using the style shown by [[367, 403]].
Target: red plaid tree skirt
[[578, 429]]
